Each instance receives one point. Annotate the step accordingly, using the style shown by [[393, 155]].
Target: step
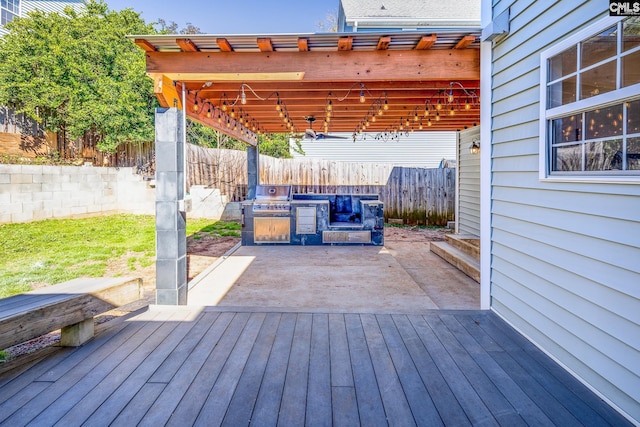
[[459, 259], [467, 243]]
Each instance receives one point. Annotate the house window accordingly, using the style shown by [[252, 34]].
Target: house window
[[590, 104], [9, 9]]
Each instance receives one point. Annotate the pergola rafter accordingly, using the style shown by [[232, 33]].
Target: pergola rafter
[[242, 85]]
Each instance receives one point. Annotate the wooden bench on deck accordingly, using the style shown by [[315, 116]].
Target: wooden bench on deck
[[69, 306]]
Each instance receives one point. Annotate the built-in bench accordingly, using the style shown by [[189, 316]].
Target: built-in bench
[[69, 306]]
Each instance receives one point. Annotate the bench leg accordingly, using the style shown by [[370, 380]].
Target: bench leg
[[78, 334]]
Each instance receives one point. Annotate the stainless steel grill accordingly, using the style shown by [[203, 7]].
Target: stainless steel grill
[[272, 198]]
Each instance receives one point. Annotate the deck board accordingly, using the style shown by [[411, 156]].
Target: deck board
[[250, 367], [394, 400], [294, 395], [319, 410], [242, 403], [267, 405], [370, 406]]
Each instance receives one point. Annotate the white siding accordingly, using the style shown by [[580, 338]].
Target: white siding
[[46, 6], [468, 211], [49, 6], [419, 149], [565, 266]]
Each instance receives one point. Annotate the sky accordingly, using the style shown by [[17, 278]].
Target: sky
[[236, 16]]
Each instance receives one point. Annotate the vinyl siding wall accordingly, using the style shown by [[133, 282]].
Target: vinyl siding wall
[[49, 6], [565, 259], [468, 209], [46, 6], [419, 149]]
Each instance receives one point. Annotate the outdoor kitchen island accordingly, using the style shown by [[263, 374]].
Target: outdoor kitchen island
[[275, 216]]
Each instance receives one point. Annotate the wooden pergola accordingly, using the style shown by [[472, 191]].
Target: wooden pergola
[[244, 85]]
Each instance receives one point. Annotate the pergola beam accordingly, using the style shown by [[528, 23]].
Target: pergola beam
[[322, 66]]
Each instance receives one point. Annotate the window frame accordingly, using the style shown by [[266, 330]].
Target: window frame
[[614, 97]]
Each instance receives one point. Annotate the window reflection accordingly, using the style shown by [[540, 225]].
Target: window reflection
[[633, 154], [567, 158], [562, 92], [631, 69], [563, 63], [599, 48], [631, 33], [604, 122], [598, 80], [603, 155], [567, 129]]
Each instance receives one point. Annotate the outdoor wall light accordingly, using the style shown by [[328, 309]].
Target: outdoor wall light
[[474, 148]]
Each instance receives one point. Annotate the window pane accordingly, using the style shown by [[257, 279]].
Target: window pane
[[633, 117], [604, 122], [633, 154], [631, 33], [566, 129], [567, 159], [598, 80], [599, 48], [562, 92], [562, 64], [631, 69], [604, 155]]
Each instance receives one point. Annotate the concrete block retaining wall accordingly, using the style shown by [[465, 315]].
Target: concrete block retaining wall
[[34, 193]]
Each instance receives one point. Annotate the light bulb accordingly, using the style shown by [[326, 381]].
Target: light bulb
[[450, 97], [439, 105], [386, 105], [362, 98], [243, 97]]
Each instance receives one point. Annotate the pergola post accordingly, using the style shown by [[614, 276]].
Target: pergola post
[[252, 170], [171, 240]]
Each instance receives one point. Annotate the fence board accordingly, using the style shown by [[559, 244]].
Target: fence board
[[416, 195]]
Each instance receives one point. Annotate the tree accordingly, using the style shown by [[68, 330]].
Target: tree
[[171, 27], [78, 73], [330, 22], [277, 145]]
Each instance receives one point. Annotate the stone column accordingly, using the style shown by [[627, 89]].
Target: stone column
[[171, 240], [252, 170]]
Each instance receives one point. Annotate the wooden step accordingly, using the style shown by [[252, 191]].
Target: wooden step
[[467, 243], [459, 259]]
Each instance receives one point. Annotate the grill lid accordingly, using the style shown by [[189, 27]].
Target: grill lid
[[273, 192]]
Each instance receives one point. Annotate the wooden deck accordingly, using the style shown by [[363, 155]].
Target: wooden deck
[[223, 367]]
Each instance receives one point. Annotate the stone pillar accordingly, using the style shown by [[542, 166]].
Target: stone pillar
[[253, 171], [171, 240]]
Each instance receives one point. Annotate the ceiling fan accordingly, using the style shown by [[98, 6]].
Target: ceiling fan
[[309, 133]]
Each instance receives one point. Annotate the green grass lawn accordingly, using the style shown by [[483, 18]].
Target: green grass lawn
[[54, 251]]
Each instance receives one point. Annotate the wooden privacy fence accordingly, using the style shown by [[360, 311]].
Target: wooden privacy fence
[[415, 195]]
